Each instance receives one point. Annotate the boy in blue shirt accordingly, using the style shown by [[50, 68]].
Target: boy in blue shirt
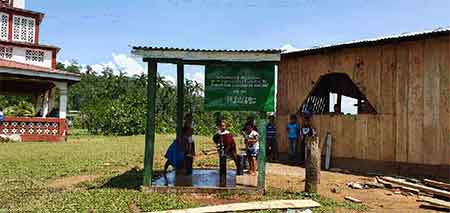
[[293, 132], [271, 138]]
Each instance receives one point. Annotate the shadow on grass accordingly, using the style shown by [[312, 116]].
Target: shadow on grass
[[131, 179]]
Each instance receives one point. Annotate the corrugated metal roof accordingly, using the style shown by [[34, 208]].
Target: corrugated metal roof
[[205, 50], [371, 41]]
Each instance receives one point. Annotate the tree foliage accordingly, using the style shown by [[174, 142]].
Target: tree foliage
[[117, 104]]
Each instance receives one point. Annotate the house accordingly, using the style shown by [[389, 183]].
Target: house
[[28, 68], [400, 88]]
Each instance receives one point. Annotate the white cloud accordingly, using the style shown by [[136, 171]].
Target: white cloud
[[288, 47], [128, 65], [133, 66], [195, 73], [199, 77], [170, 78]]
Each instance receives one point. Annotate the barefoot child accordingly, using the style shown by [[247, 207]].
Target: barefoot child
[[293, 132], [224, 137], [176, 153], [252, 143]]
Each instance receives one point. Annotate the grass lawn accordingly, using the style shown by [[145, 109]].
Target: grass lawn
[[43, 176]]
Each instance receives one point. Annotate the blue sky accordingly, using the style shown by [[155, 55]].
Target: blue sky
[[90, 31], [101, 32]]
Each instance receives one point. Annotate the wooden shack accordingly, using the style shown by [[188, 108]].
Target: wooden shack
[[402, 84]]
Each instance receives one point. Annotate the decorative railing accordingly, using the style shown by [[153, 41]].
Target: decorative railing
[[35, 129]]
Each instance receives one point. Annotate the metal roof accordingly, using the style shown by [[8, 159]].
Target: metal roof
[[198, 56], [206, 50], [372, 41]]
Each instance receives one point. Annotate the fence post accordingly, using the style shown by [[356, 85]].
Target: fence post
[[312, 164]]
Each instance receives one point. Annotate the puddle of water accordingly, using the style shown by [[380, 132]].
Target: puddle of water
[[199, 178]]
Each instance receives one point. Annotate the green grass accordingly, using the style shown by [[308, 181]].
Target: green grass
[[26, 169]]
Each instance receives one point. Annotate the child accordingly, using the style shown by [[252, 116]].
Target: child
[[252, 143], [176, 153], [293, 130], [271, 137], [223, 136], [307, 131], [190, 145]]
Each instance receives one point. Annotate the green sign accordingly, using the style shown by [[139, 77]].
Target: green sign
[[240, 87]]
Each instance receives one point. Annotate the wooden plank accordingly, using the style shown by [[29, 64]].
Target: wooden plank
[[387, 79], [251, 206], [388, 138], [437, 184], [415, 103], [374, 140], [444, 105], [339, 145], [418, 186], [282, 87], [361, 137], [401, 104], [374, 63], [348, 135], [431, 130], [387, 103], [434, 201], [354, 200], [360, 73]]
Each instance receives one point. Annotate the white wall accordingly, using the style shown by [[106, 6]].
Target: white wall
[[19, 56], [19, 4]]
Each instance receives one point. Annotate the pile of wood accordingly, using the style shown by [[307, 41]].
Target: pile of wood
[[433, 194]]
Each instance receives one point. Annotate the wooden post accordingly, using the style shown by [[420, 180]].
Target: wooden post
[[312, 164], [180, 97], [150, 133], [262, 152], [327, 151]]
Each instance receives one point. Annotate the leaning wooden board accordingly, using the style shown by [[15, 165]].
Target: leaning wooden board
[[251, 206], [437, 202], [426, 189], [437, 184]]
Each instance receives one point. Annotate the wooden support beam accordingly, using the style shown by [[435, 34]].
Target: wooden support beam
[[150, 133], [339, 101], [180, 97]]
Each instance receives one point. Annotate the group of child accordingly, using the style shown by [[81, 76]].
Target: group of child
[[298, 133], [181, 152]]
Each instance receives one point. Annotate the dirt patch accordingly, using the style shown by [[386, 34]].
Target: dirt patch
[[67, 183], [291, 178]]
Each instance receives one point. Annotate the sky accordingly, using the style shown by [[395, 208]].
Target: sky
[[101, 32]]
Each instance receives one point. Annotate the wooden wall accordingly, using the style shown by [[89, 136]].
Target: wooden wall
[[408, 83]]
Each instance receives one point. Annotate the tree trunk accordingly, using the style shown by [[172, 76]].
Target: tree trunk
[[312, 164]]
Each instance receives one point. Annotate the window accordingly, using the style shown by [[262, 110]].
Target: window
[[6, 52], [336, 93], [4, 26], [34, 55], [24, 29]]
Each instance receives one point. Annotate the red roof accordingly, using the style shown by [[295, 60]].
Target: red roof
[[28, 67]]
